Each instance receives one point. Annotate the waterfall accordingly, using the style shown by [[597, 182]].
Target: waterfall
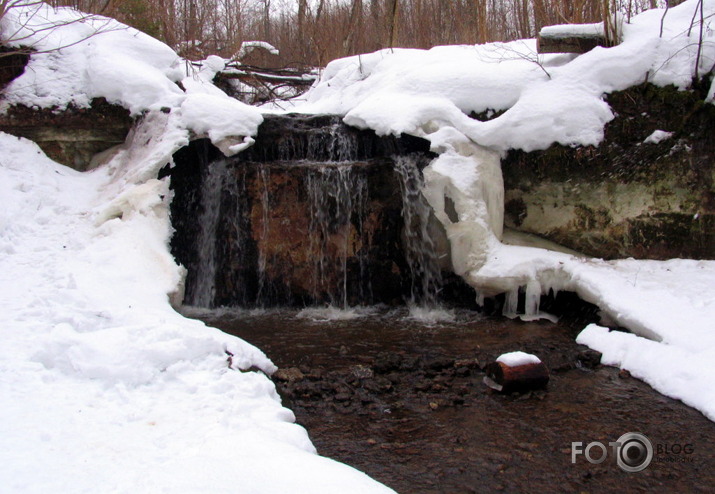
[[264, 175], [203, 288], [337, 200], [426, 276], [310, 214]]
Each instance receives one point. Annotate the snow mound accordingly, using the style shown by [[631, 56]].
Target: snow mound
[[547, 98], [79, 57], [102, 381]]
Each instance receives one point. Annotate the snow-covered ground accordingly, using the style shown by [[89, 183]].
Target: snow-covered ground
[[103, 384], [104, 387]]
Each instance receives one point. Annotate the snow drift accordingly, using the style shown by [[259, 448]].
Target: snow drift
[[102, 382]]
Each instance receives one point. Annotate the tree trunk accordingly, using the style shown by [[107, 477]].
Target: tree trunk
[[392, 30]]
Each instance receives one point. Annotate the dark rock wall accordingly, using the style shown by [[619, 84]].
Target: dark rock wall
[[625, 197], [285, 235]]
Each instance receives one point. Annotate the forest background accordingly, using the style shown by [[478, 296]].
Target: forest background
[[313, 32]]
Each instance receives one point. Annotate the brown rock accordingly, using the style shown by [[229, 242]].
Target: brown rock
[[291, 374]]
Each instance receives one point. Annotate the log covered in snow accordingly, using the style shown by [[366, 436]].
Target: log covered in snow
[[516, 372], [571, 38]]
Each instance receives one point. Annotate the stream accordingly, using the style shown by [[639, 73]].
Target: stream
[[402, 399]]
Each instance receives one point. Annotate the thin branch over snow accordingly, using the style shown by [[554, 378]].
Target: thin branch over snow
[[30, 27]]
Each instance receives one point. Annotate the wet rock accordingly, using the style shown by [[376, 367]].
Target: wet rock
[[469, 363], [410, 363], [590, 359], [361, 372], [342, 397], [624, 374], [387, 362], [462, 371], [438, 363], [291, 374]]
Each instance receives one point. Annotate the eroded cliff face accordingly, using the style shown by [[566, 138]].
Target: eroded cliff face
[[72, 136], [630, 196]]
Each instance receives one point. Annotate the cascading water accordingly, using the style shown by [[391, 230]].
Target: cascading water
[[338, 199], [264, 175], [426, 279], [309, 215], [211, 192]]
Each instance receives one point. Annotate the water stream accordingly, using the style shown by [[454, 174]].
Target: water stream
[[403, 400]]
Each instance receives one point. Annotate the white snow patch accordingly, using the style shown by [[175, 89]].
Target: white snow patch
[[675, 371], [515, 359], [657, 137], [572, 30], [103, 383]]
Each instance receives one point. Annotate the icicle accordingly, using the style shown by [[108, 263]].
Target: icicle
[[511, 303], [533, 298]]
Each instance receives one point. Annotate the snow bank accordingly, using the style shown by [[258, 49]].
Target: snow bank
[[79, 57], [675, 371], [102, 382], [547, 98], [98, 57]]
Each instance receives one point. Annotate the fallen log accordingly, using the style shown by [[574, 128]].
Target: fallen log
[[249, 73], [571, 38], [520, 373]]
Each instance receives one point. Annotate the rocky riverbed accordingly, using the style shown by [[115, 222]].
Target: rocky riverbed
[[404, 401]]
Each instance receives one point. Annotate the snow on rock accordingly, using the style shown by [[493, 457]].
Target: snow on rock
[[227, 122], [81, 57], [97, 57], [657, 137], [515, 359], [248, 46]]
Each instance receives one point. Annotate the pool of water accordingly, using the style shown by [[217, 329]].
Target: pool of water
[[402, 398]]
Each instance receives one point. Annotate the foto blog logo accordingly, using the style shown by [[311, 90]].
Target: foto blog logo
[[633, 451]]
